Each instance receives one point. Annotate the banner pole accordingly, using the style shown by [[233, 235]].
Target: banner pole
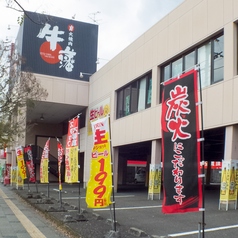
[[60, 158], [28, 183], [48, 186], [28, 180], [202, 154], [35, 178], [60, 198], [28, 177], [113, 188], [60, 188], [79, 207], [48, 190], [36, 187]]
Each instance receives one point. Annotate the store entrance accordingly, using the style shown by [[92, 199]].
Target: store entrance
[[134, 160]]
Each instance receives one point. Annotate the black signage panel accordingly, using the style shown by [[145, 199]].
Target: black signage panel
[[59, 47]]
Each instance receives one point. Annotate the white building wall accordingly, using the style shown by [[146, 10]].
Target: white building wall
[[190, 24], [62, 90]]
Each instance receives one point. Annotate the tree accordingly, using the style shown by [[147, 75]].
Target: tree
[[18, 91]]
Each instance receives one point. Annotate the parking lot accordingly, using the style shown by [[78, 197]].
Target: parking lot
[[134, 210]]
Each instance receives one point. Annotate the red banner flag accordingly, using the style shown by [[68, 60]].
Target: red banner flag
[[180, 147], [30, 164], [60, 159], [71, 153], [44, 176]]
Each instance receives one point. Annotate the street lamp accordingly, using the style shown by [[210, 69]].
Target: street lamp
[[82, 74]]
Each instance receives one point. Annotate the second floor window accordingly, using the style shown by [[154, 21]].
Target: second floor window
[[210, 56], [135, 96]]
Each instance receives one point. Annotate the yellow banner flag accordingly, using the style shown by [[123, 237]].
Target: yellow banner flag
[[14, 174], [20, 182], [44, 163], [228, 191], [99, 186], [155, 179], [71, 152], [21, 162]]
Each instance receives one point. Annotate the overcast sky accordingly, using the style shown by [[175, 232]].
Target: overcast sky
[[120, 21]]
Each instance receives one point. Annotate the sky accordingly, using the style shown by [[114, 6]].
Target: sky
[[120, 21]]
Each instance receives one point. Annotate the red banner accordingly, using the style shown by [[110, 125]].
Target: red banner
[[60, 159], [30, 164], [71, 153], [180, 147]]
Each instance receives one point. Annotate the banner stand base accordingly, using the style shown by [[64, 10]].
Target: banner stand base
[[80, 217], [112, 234], [152, 196], [227, 204]]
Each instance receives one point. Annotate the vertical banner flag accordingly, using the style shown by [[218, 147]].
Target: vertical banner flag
[[44, 163], [99, 187], [7, 174], [13, 175], [30, 164], [21, 162], [71, 153], [60, 159], [228, 190], [180, 147], [236, 176], [20, 181], [1, 172], [155, 179]]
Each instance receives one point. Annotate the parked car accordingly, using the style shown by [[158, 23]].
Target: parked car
[[140, 176]]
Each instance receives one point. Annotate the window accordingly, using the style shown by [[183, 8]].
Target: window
[[127, 100], [135, 96], [189, 60], [204, 59], [177, 67], [210, 56], [218, 59], [166, 72], [142, 94], [149, 92]]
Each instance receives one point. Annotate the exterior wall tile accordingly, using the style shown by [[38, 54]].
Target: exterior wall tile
[[227, 102], [199, 22], [215, 12], [235, 101]]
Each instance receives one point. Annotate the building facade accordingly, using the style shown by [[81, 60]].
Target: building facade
[[197, 32], [192, 34]]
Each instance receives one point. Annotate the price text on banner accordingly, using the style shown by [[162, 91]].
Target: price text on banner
[[99, 187], [20, 162]]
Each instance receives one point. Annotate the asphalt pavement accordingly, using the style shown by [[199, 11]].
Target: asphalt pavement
[[135, 214]]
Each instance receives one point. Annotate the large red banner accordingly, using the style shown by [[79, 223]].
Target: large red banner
[[180, 147]]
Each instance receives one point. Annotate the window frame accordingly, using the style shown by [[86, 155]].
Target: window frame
[[120, 106], [195, 50]]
